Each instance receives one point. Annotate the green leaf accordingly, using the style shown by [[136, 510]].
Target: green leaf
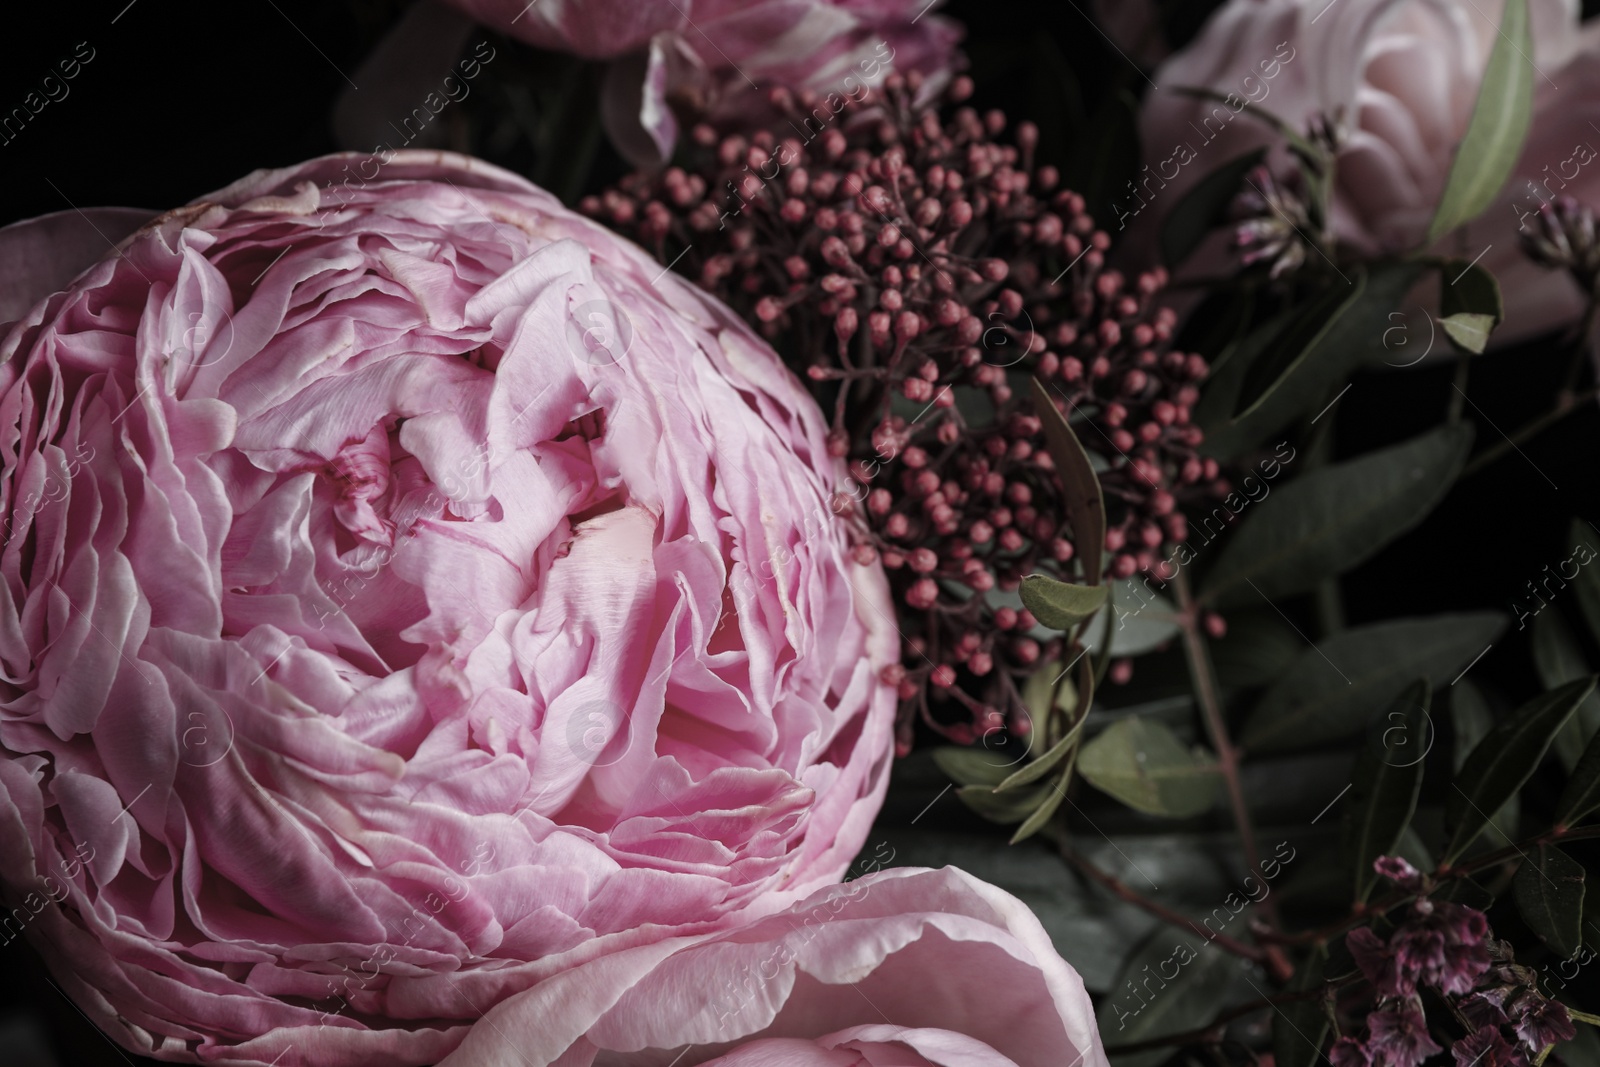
[[1334, 687], [1468, 288], [1473, 720], [1056, 793], [1499, 124], [972, 766], [1003, 808], [1293, 346], [1204, 207], [1584, 539], [1558, 660], [1080, 486], [1301, 1026], [1144, 765], [1032, 772], [1504, 760], [1173, 983], [1549, 892], [1469, 330], [1060, 605], [1581, 795], [1387, 781], [1257, 649], [1302, 366], [1335, 517]]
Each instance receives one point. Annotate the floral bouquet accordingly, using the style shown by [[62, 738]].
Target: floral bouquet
[[793, 533]]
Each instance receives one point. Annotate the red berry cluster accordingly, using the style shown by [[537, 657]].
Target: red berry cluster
[[917, 271]]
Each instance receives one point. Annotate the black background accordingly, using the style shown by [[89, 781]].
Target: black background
[[185, 97]]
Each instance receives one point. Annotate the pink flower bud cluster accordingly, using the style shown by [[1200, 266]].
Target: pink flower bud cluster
[[917, 271]]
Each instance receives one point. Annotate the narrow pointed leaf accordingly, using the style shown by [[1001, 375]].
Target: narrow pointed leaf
[[1504, 760], [1086, 507], [1334, 688], [1386, 782], [1582, 792], [1056, 793], [1558, 660], [1497, 129], [1333, 518], [1549, 892]]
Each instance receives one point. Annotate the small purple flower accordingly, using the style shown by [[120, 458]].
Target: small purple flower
[[1348, 1052], [1541, 1022], [1378, 963], [1399, 1035], [1398, 871], [1485, 1007], [1487, 1047]]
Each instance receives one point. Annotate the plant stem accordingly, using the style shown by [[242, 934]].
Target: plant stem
[[1123, 891], [1210, 701], [1566, 403], [1458, 395]]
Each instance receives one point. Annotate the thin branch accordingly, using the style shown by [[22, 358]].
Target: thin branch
[[1210, 701], [1122, 891], [1213, 1030]]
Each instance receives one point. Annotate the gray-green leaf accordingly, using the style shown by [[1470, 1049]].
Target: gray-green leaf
[[1144, 765], [1498, 126], [1061, 605], [1334, 687], [1332, 518], [1558, 660]]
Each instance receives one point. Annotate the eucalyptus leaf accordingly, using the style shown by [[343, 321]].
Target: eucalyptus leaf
[[1558, 660], [1497, 129], [1332, 518], [1335, 686], [1385, 786], [1204, 207], [1061, 605], [1144, 765], [1086, 507], [1504, 760], [1549, 892]]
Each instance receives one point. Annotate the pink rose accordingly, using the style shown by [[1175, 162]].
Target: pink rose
[[714, 54], [902, 968], [409, 590], [1406, 75]]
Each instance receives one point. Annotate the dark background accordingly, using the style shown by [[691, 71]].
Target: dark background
[[183, 97]]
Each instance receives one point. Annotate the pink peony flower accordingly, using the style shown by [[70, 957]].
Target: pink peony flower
[[903, 968], [709, 55], [1404, 75], [409, 590]]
